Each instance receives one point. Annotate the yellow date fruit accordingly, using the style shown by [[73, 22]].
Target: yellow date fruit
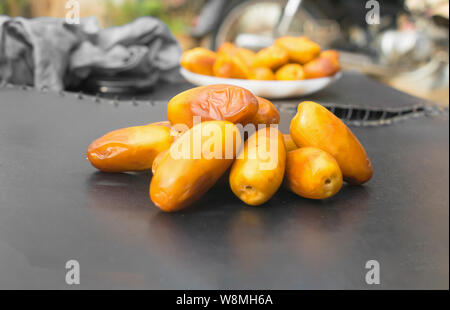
[[290, 72], [191, 168], [199, 60], [315, 126], [246, 55], [231, 66], [258, 170], [130, 149], [332, 55], [271, 57], [313, 173], [214, 102], [159, 158], [261, 74], [288, 142], [267, 113], [226, 48], [299, 49], [320, 67]]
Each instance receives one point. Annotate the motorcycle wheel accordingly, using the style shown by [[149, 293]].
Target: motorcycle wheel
[[261, 17]]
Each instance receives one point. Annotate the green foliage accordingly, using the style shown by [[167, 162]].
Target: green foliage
[[21, 7], [2, 7], [129, 10], [119, 14]]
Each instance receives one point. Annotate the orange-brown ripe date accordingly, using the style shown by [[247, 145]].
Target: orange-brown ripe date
[[199, 60], [246, 55], [290, 72], [185, 173], [233, 62], [226, 48], [271, 57], [214, 102], [315, 126], [130, 149], [267, 113], [313, 173], [321, 67], [332, 55], [159, 158], [258, 171], [299, 49], [261, 74], [231, 66]]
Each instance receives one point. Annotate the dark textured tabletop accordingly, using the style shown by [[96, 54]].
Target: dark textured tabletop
[[54, 207]]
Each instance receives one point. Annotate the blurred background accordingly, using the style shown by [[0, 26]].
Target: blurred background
[[406, 47]]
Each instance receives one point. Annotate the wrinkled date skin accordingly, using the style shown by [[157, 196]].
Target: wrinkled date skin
[[130, 149], [312, 173], [300, 49], [214, 102], [315, 126], [255, 177], [199, 60], [267, 113], [180, 181]]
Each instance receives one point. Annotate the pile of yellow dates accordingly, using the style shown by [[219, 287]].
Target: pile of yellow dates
[[312, 160], [289, 58]]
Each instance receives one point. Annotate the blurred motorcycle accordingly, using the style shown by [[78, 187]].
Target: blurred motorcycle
[[409, 42]]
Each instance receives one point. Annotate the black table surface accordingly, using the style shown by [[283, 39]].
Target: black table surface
[[55, 207]]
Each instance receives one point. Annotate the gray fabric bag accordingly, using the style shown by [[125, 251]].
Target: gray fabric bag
[[49, 53]]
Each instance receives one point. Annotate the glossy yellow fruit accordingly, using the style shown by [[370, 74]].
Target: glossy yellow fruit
[[246, 55], [159, 158], [271, 57], [290, 72], [231, 66], [262, 73], [321, 67], [226, 48], [332, 55], [299, 49], [188, 172], [199, 60], [315, 126], [258, 171], [313, 173], [130, 149]]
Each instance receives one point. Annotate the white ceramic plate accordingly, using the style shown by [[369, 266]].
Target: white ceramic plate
[[266, 89]]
